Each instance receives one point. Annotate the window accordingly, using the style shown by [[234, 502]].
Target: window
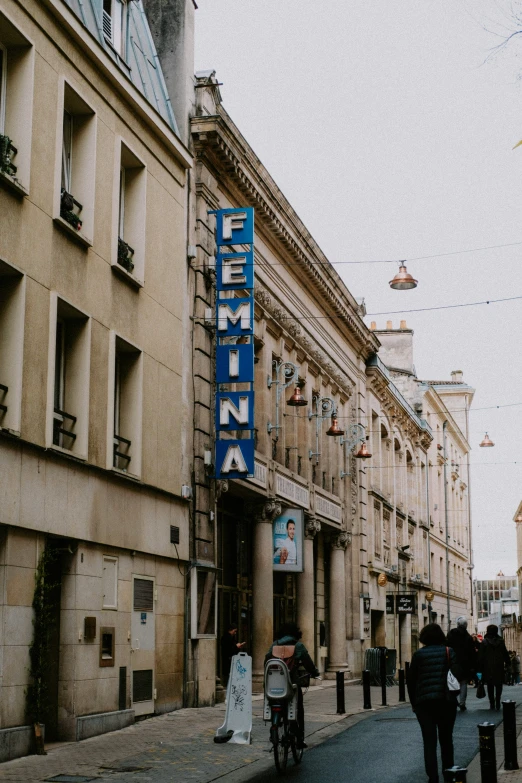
[[107, 646], [124, 442], [110, 583], [75, 195], [129, 253], [12, 306], [115, 24], [70, 378], [16, 102]]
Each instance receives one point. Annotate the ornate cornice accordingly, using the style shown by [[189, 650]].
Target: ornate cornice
[[220, 144], [284, 319], [265, 510]]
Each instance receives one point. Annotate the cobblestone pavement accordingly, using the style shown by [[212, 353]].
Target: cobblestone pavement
[[179, 746]]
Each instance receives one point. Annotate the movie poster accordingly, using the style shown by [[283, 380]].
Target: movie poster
[[287, 541]]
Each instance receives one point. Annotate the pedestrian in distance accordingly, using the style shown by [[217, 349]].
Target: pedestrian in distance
[[493, 657], [229, 647], [462, 644], [433, 704]]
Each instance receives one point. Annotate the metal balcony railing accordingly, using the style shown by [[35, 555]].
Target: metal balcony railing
[[60, 433], [125, 255], [3, 391], [67, 206], [118, 454], [7, 153]]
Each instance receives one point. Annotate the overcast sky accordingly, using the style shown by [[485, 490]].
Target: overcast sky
[[392, 139]]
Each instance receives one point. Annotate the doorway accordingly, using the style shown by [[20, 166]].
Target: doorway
[[143, 645], [378, 629]]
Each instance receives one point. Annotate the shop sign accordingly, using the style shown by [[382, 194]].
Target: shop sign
[[327, 509], [235, 343], [405, 604], [287, 541], [390, 604]]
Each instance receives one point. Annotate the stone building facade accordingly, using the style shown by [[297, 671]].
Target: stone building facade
[[93, 328]]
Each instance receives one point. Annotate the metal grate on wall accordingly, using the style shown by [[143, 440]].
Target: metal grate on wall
[[142, 685], [122, 690], [143, 595], [174, 534]]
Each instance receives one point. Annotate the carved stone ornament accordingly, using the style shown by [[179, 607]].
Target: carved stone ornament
[[312, 526], [265, 510], [342, 540], [221, 487]]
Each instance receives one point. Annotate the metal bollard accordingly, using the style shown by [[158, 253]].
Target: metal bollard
[[455, 775], [510, 734], [382, 668], [488, 757], [402, 688], [367, 694], [339, 678]]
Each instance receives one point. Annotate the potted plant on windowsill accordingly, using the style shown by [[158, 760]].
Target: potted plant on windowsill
[[125, 254], [67, 213], [7, 152]]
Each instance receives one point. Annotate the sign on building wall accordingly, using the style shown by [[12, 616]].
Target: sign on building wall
[[287, 541], [235, 343], [390, 603], [405, 604]]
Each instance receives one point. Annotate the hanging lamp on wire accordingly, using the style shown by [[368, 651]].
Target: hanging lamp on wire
[[403, 280], [486, 441]]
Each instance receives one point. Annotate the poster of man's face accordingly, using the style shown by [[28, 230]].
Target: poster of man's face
[[288, 541]]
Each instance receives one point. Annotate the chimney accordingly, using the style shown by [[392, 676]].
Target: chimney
[[389, 324], [456, 376], [403, 325], [373, 325], [171, 23], [396, 349]]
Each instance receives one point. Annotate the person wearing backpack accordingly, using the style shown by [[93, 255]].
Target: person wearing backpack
[[289, 636], [493, 656], [432, 703]]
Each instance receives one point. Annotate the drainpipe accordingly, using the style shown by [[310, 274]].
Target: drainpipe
[[444, 428], [429, 527], [470, 535]]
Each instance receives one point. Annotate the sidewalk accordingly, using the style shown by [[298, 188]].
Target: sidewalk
[[179, 746], [503, 776]]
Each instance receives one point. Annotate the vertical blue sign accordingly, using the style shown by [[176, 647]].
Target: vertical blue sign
[[235, 342]]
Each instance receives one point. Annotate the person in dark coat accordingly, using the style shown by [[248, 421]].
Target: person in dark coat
[[462, 644], [229, 647], [493, 656], [432, 703]]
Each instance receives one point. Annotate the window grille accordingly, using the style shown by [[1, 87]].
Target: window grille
[[143, 595]]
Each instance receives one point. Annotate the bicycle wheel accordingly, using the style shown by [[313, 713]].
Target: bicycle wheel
[[297, 753], [279, 741]]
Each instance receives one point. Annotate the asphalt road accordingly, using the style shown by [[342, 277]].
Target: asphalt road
[[387, 747]]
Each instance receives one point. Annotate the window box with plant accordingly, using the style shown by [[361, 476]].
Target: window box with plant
[[68, 204], [125, 254], [7, 153]]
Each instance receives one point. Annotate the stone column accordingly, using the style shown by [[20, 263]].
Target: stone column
[[306, 585], [262, 587], [337, 646]]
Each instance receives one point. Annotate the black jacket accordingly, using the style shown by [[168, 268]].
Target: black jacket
[[492, 657], [462, 643], [428, 674]]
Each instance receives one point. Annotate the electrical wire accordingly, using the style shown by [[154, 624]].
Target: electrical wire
[[382, 260]]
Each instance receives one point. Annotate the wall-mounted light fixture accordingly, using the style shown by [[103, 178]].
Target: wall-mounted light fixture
[[356, 434], [324, 407], [286, 373]]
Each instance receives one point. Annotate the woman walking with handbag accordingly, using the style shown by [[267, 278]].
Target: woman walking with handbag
[[432, 702]]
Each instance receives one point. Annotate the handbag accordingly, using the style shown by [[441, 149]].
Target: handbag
[[481, 691], [452, 682]]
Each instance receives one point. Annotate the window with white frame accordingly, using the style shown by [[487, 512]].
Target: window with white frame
[[77, 163], [16, 104], [127, 374], [71, 366], [115, 24], [12, 307], [131, 215]]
